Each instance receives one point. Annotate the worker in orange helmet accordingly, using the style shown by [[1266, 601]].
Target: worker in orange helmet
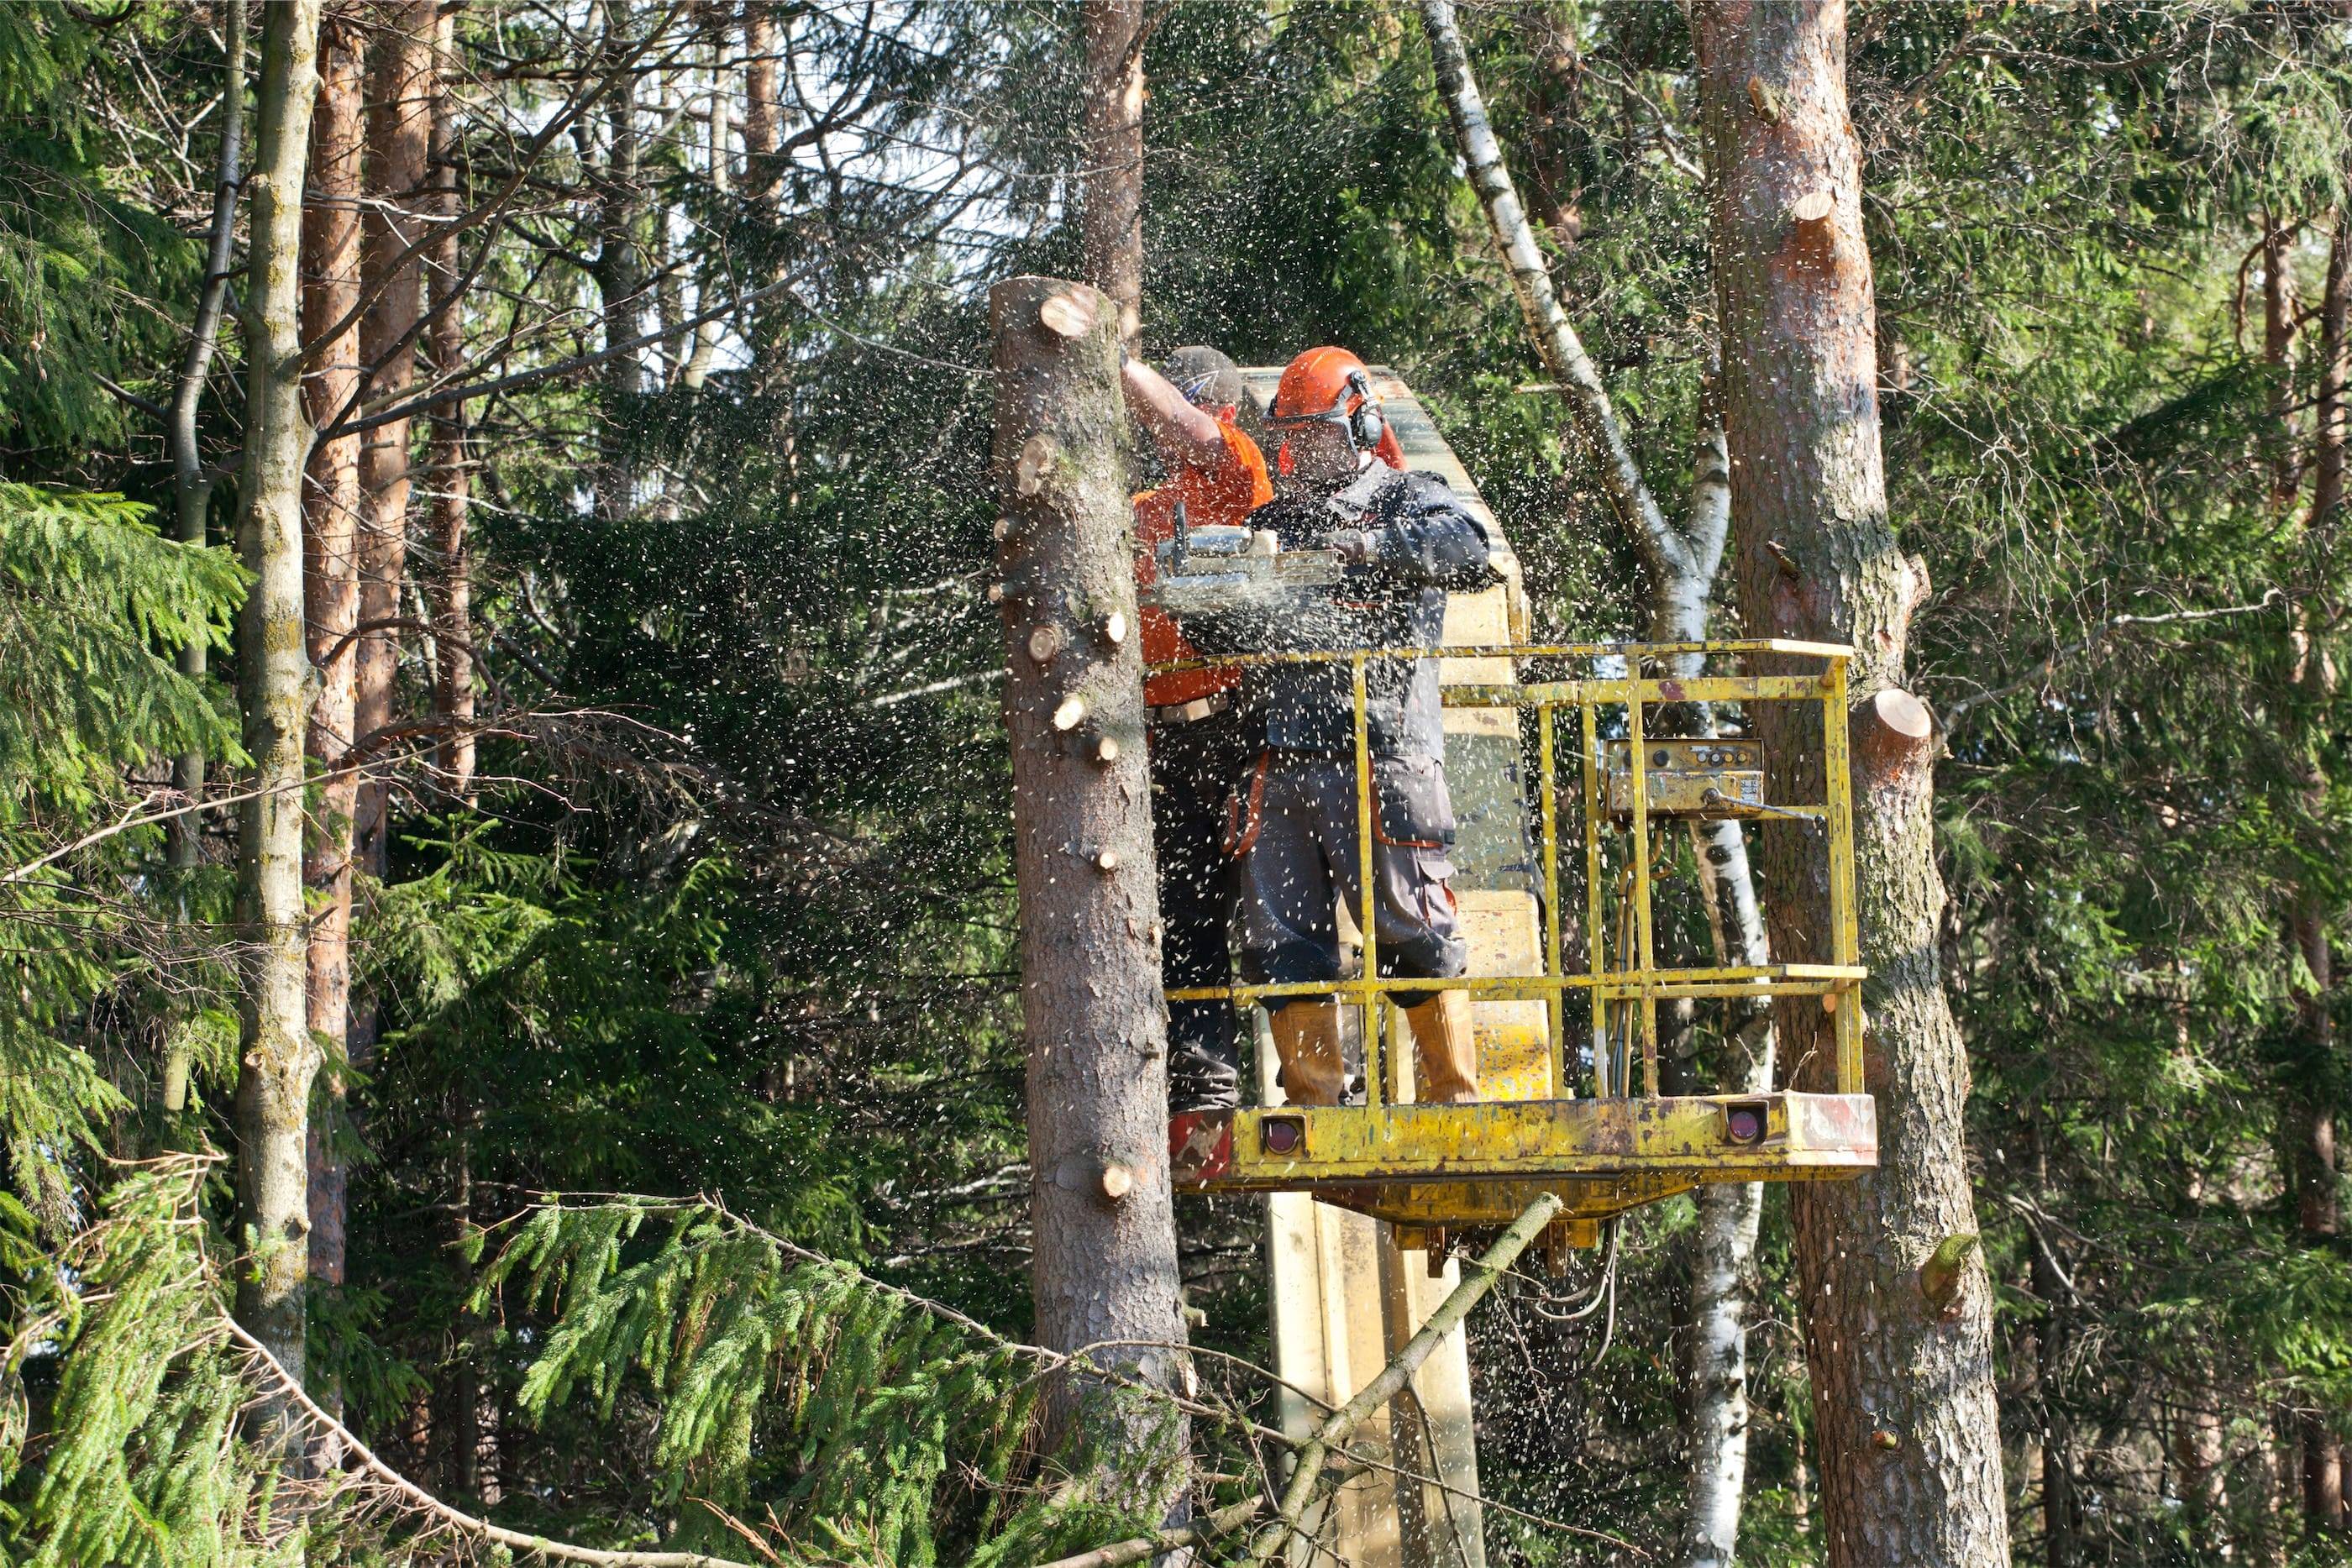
[[1406, 541], [1199, 740]]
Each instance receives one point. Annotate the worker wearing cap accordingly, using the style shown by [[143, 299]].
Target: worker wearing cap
[[1292, 824], [1199, 741]]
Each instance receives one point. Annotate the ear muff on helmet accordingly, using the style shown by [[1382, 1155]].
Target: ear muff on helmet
[[1365, 424]]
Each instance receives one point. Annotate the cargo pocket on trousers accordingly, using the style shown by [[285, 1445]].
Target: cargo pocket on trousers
[[1413, 808]]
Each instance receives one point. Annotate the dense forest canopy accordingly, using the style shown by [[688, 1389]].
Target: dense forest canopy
[[664, 1185]]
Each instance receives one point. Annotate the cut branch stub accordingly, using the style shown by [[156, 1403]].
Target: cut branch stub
[[1070, 714], [1045, 642], [1106, 750], [1114, 627], [1894, 737], [1071, 314], [1117, 1181], [1812, 207], [1029, 470]]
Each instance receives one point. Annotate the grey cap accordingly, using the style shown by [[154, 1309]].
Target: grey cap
[[1210, 379], [1206, 376]]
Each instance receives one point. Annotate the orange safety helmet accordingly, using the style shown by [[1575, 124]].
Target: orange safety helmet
[[1330, 385]]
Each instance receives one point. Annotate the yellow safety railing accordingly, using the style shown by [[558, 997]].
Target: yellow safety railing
[[1625, 983]]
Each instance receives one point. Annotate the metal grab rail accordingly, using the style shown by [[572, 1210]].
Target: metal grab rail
[[1639, 982]]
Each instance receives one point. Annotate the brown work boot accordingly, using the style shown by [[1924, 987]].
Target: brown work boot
[[1444, 1050], [1307, 1038]]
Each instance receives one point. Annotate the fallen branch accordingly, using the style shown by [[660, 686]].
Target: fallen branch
[[1477, 1278], [2041, 672], [1208, 1527]]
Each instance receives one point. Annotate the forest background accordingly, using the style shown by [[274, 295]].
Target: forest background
[[677, 848]]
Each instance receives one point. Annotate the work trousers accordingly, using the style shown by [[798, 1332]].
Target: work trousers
[[1192, 768], [1292, 827]]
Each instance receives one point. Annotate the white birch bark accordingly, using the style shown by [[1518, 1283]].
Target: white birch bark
[[1681, 564]]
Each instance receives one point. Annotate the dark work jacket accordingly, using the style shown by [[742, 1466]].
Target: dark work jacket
[[1427, 545]]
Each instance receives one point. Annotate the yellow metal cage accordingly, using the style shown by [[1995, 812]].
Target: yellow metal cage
[[1621, 1142]]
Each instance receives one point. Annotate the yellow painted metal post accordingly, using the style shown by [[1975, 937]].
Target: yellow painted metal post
[[1845, 936], [1555, 1008], [1644, 959], [1596, 940], [1364, 879]]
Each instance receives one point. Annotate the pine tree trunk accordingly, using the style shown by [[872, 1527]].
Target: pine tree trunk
[[1909, 1449], [1105, 1261], [1681, 563], [330, 584], [276, 1056], [1110, 194], [452, 580], [399, 135]]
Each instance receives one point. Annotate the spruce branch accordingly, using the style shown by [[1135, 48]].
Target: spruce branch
[[424, 1501]]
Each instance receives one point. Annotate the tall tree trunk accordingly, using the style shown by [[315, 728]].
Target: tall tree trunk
[[763, 123], [331, 584], [1730, 1214], [276, 1056], [1910, 1451], [452, 580], [1105, 1267], [1111, 189], [620, 278], [2311, 1126], [399, 136], [1681, 564], [192, 492]]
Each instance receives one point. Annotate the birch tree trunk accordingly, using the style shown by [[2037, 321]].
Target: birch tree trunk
[[331, 583], [1910, 1450], [1681, 564], [1723, 1259], [1104, 1267], [1110, 190], [276, 1055]]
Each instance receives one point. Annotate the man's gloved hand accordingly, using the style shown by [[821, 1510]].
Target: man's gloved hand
[[1358, 547]]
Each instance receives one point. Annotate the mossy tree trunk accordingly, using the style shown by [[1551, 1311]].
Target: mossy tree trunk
[[275, 1052], [1104, 1267]]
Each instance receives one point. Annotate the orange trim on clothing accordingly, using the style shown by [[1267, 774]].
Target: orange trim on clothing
[[1222, 493]]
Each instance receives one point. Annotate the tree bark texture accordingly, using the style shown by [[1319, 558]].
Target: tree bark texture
[[276, 1055], [1910, 1453], [1722, 1260], [2310, 1125], [620, 276], [452, 580], [1104, 1262], [1110, 188], [762, 122], [192, 492], [1681, 563], [331, 584], [399, 135]]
